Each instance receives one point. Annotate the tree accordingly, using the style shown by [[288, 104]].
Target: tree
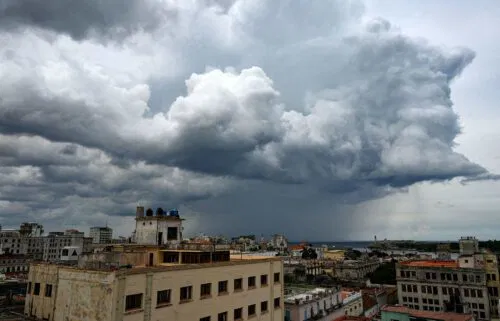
[[384, 274], [309, 254]]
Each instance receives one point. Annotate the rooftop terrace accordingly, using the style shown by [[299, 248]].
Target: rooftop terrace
[[443, 316]]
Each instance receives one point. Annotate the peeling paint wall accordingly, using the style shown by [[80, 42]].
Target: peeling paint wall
[[96, 260], [85, 295], [40, 305]]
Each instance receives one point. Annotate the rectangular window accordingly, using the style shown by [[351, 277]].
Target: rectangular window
[[133, 301], [238, 314], [251, 281], [222, 316], [172, 233], [29, 288], [186, 293], [466, 292], [263, 306], [205, 319], [277, 277], [263, 280], [222, 287], [163, 297], [36, 290], [251, 310], [238, 284], [48, 290], [277, 303], [206, 290], [422, 288]]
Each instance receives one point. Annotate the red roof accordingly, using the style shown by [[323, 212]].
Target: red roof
[[444, 316], [351, 317], [368, 301]]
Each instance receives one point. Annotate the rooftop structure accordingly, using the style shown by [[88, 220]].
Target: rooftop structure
[[401, 313], [318, 304], [163, 228]]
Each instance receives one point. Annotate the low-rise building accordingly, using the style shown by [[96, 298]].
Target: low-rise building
[[322, 304], [354, 269], [352, 302], [401, 313], [10, 263], [160, 284]]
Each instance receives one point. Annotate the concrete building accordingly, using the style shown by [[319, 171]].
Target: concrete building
[[354, 269], [13, 263], [352, 302], [31, 229], [443, 286], [468, 245], [55, 242], [101, 235], [159, 229], [162, 285], [322, 304], [401, 313], [279, 242]]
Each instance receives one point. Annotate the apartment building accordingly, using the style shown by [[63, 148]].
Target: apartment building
[[443, 286], [352, 302], [159, 284], [101, 235], [321, 304], [55, 242]]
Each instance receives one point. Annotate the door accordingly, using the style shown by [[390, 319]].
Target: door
[[151, 259]]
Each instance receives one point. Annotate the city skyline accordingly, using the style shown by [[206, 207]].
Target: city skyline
[[359, 118]]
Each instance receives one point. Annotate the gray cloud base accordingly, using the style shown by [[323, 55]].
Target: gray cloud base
[[364, 110]]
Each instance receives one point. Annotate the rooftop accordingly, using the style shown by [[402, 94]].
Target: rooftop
[[430, 263], [162, 268], [308, 295], [444, 316]]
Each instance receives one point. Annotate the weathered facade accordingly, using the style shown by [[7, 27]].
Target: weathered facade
[[157, 229], [221, 290], [434, 285]]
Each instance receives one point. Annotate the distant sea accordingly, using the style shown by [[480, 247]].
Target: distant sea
[[339, 245]]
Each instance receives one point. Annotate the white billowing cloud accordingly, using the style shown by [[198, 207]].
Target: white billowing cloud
[[278, 91]]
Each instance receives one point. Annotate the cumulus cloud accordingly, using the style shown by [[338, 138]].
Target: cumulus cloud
[[327, 102]]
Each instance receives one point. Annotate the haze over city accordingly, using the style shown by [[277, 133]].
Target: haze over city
[[340, 122]]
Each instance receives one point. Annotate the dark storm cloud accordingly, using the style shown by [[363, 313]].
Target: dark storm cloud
[[335, 108], [80, 18]]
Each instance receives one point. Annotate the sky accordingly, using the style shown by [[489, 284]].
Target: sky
[[323, 120]]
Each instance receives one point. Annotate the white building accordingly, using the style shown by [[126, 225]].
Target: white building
[[279, 242], [56, 241], [101, 235], [162, 228], [352, 302], [319, 304]]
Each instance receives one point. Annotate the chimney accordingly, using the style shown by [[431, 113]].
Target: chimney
[[140, 211]]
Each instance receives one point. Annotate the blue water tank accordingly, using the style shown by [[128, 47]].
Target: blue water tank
[[173, 212]]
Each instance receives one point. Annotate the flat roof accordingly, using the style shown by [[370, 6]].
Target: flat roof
[[164, 268], [445, 316], [431, 263]]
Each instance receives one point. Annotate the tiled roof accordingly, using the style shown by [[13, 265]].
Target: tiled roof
[[443, 316], [430, 263], [368, 301]]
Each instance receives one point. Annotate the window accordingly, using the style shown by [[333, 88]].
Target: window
[[163, 297], [172, 233], [238, 284], [36, 291], [29, 288], [133, 301], [276, 277], [263, 306], [277, 303], [481, 306], [251, 310], [205, 319], [238, 314], [186, 293], [251, 281], [48, 290], [222, 287], [263, 280], [222, 316], [206, 290]]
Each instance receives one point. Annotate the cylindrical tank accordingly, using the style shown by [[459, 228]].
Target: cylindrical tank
[[140, 211], [149, 212], [159, 211]]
